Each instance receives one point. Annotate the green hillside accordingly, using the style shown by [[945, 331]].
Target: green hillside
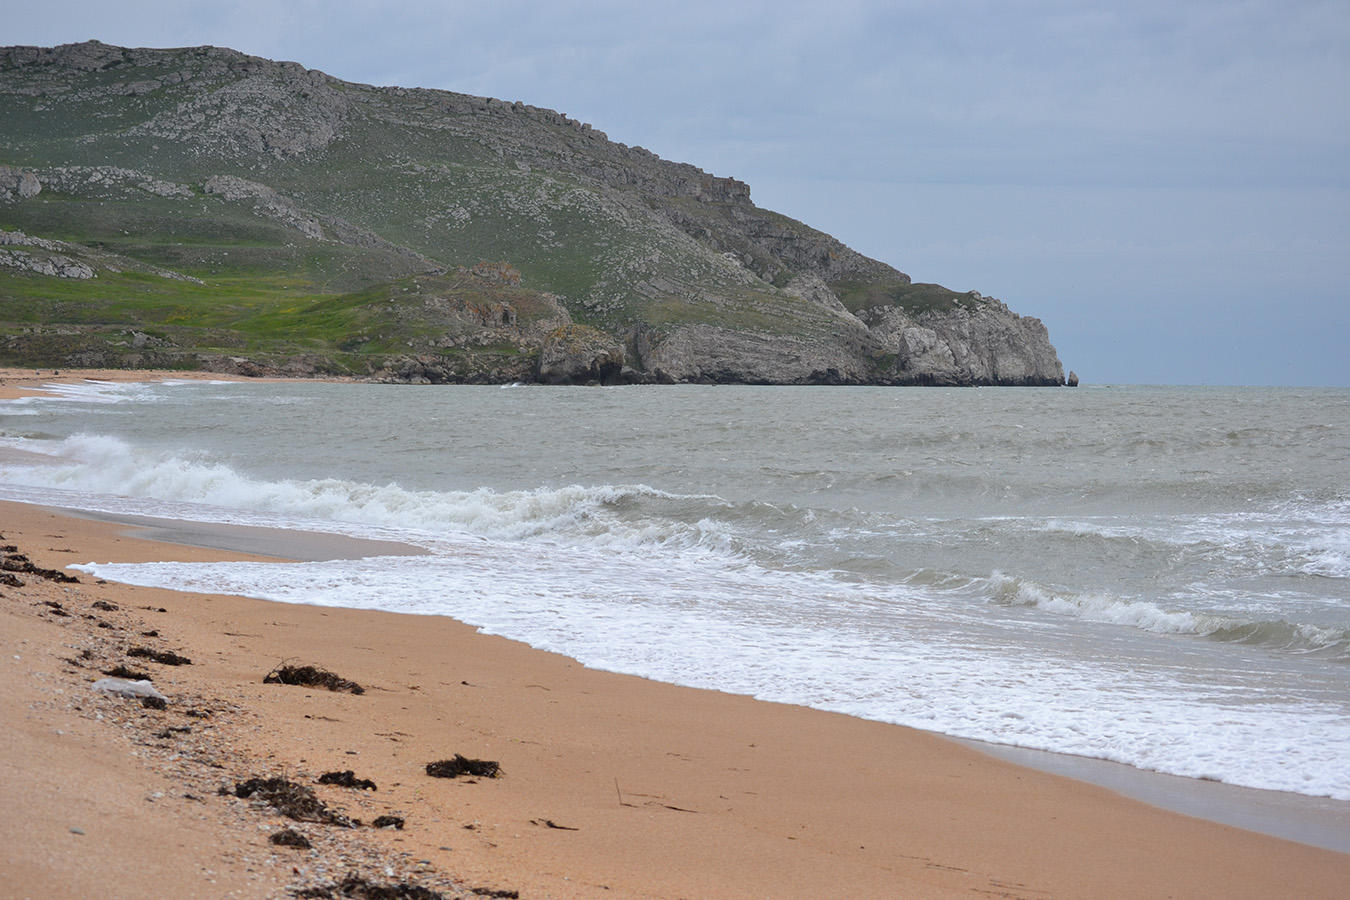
[[200, 208]]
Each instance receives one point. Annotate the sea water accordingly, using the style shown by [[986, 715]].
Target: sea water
[[1155, 576]]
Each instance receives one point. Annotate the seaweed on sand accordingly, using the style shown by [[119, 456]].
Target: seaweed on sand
[[289, 837], [163, 657], [354, 887], [17, 562], [294, 801], [311, 676], [347, 779], [129, 674], [453, 768]]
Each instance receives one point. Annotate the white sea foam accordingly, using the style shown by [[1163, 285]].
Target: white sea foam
[[91, 391], [794, 638], [1139, 614], [1145, 615], [1306, 535], [108, 466]]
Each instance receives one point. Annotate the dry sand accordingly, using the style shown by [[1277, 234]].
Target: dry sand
[[612, 786]]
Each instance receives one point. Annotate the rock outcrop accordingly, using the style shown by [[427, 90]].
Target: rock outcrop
[[985, 344], [43, 258], [15, 183], [708, 354], [578, 354]]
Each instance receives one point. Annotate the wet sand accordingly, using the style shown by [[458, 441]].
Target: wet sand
[[612, 786], [297, 546], [1319, 821]]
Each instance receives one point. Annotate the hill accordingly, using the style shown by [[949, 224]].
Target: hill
[[200, 208]]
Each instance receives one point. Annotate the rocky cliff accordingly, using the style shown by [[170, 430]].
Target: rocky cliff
[[250, 213]]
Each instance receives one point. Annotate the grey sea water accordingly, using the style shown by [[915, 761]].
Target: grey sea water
[[1155, 576]]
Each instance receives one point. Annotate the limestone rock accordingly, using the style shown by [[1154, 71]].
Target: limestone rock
[[15, 183], [983, 343], [705, 353], [315, 226], [54, 264], [811, 287], [281, 110], [579, 354], [89, 56], [265, 200]]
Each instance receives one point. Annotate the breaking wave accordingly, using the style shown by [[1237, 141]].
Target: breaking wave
[[1145, 615], [606, 515]]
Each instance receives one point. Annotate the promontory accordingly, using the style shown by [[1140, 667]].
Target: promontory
[[202, 209]]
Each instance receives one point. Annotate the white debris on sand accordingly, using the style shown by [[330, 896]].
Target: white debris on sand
[[125, 687]]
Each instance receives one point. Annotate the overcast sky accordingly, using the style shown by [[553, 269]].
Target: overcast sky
[[1165, 183]]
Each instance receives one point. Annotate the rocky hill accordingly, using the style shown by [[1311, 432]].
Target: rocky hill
[[200, 208]]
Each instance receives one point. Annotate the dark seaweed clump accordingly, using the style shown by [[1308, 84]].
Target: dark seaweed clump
[[294, 801], [453, 768], [163, 657], [17, 562], [311, 676], [130, 674], [289, 837], [347, 779], [354, 887]]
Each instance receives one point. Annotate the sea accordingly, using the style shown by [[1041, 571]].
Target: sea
[[1156, 576]]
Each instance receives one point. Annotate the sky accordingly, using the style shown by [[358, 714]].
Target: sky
[[1164, 183]]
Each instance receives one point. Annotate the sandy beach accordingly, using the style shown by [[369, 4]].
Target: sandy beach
[[610, 786], [28, 382]]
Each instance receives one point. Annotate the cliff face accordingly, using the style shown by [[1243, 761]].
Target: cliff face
[[194, 181], [983, 343]]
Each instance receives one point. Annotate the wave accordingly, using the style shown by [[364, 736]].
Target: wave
[[1304, 535], [91, 391], [613, 516], [1273, 634]]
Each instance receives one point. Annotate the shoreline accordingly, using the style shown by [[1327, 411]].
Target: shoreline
[[613, 785], [1316, 821], [16, 383], [253, 540]]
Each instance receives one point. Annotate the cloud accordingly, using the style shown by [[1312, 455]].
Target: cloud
[[979, 90], [1068, 156]]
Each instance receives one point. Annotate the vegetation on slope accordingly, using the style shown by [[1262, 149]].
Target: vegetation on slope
[[198, 207]]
